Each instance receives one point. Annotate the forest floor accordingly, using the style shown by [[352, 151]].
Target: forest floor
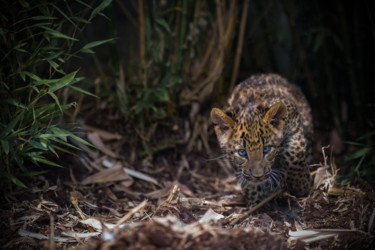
[[100, 200]]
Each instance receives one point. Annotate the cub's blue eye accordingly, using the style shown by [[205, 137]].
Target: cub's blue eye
[[242, 153], [266, 149]]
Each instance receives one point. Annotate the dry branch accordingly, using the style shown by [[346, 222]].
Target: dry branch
[[250, 211]]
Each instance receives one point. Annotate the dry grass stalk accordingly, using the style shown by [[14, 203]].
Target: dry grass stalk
[[204, 79], [131, 212], [333, 191], [74, 200]]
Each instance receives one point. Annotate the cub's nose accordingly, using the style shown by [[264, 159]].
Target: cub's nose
[[257, 170]]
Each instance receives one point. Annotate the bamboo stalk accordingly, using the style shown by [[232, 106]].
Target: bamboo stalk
[[142, 44], [183, 28], [231, 17], [128, 14], [239, 46], [297, 43], [206, 56]]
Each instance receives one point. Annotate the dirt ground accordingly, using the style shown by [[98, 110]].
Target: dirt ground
[[177, 199]]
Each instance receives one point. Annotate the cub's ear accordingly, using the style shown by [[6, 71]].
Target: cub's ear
[[275, 116], [223, 126], [219, 118]]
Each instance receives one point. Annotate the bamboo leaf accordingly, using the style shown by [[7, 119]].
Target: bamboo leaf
[[32, 76], [84, 4], [44, 161], [16, 181], [57, 34], [64, 15], [98, 9], [14, 102], [73, 136], [34, 173], [64, 143], [163, 24], [88, 51], [96, 43], [358, 154], [5, 146], [78, 19], [54, 65], [11, 125], [43, 18], [63, 82], [162, 94], [366, 135], [56, 99], [83, 91], [37, 145]]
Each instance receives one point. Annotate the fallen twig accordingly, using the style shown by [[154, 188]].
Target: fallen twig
[[234, 221], [131, 212]]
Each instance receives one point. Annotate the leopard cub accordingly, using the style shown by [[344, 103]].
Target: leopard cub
[[265, 131]]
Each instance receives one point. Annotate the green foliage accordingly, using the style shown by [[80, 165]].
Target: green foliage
[[157, 77], [361, 168], [36, 40]]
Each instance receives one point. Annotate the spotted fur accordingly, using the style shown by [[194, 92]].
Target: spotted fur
[[265, 131]]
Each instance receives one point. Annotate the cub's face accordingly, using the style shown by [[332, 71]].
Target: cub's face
[[251, 140]]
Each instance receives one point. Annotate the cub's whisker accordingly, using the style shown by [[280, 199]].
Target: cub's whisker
[[217, 158]]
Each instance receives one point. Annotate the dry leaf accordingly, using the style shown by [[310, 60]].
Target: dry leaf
[[210, 215], [95, 139], [108, 175], [140, 175], [105, 135], [24, 233]]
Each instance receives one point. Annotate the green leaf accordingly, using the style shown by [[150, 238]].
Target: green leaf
[[5, 145], [358, 154], [58, 34], [163, 24], [98, 9], [64, 15], [356, 169], [43, 160], [63, 150], [25, 4], [96, 43], [59, 132], [366, 135], [81, 140], [32, 76], [83, 91], [84, 4], [88, 51], [56, 100], [78, 19], [34, 173], [11, 125], [354, 143], [64, 143], [162, 94], [43, 18], [54, 65], [16, 181], [37, 145], [63, 82], [62, 132], [15, 103]]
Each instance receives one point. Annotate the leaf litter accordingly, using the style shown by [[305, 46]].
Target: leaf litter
[[104, 202]]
